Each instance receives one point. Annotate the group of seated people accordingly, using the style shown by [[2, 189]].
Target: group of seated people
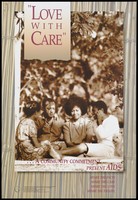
[[42, 133]]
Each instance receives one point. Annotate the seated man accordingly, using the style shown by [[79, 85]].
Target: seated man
[[52, 123]]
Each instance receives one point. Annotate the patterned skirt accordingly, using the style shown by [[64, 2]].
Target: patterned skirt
[[26, 151]]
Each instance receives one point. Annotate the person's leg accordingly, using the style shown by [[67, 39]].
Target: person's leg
[[74, 151], [54, 154], [99, 150], [50, 150]]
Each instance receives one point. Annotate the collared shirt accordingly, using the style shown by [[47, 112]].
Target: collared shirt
[[78, 132], [52, 129]]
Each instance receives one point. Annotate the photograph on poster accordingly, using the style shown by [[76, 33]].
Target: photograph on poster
[[69, 114]]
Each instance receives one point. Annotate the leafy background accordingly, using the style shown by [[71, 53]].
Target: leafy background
[[95, 71]]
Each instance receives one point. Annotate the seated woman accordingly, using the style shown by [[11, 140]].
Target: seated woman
[[27, 144], [52, 124], [105, 131], [79, 129]]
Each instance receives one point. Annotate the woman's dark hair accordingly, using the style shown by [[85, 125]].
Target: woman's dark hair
[[31, 107], [46, 102], [75, 101], [100, 105]]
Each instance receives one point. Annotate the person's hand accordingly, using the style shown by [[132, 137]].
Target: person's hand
[[95, 126], [41, 151], [46, 145]]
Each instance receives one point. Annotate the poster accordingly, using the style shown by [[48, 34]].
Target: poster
[[91, 73], [48, 188]]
